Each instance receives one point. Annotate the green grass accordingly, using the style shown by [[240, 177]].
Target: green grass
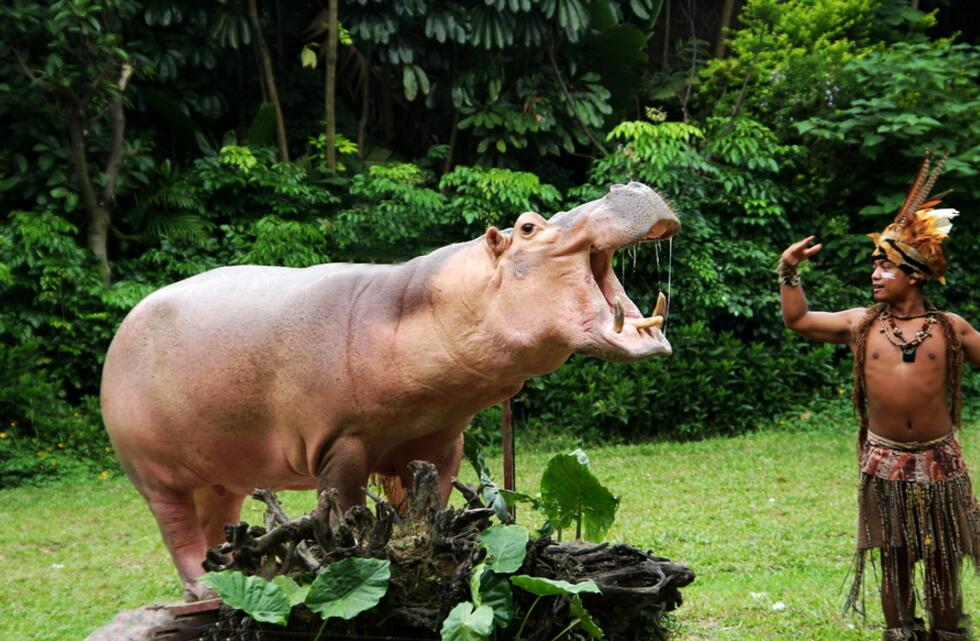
[[762, 519]]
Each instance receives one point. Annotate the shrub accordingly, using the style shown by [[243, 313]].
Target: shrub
[[713, 384]]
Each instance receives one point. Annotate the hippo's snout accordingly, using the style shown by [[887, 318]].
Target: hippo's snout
[[640, 213]]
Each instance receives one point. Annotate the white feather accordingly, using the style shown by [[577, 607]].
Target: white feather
[[943, 218]]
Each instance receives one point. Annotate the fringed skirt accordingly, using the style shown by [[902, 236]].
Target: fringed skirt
[[916, 503]]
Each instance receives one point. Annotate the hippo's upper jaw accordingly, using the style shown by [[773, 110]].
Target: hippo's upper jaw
[[627, 215]]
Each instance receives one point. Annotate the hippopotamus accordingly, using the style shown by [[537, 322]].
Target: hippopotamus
[[253, 376]]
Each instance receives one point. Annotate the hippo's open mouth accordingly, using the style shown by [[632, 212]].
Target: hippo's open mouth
[[619, 321]]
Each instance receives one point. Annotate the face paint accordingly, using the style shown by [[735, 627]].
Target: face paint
[[887, 276]]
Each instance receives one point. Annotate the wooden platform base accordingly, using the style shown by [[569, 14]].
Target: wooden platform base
[[189, 620]]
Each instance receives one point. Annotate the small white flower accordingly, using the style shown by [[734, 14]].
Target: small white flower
[[57, 566], [758, 595], [778, 606], [772, 499]]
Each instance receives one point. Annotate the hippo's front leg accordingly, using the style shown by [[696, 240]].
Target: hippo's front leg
[[442, 450], [345, 467]]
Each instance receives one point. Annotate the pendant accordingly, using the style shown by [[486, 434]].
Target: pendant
[[908, 353]]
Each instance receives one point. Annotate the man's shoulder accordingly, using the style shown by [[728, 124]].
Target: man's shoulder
[[857, 314], [959, 323]]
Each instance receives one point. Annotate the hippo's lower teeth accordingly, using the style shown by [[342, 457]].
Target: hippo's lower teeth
[[661, 306], [642, 323], [618, 318]]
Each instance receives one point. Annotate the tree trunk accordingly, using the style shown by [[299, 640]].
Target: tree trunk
[[270, 79], [387, 106], [98, 209], [96, 216], [453, 137], [362, 125], [331, 85], [721, 44]]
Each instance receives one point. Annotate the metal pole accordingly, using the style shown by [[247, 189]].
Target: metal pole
[[507, 441]]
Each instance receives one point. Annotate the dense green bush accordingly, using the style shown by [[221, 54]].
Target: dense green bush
[[714, 383], [55, 324]]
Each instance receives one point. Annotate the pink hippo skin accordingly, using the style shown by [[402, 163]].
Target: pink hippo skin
[[248, 376]]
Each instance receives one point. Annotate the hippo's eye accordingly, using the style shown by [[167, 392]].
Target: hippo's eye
[[527, 228]]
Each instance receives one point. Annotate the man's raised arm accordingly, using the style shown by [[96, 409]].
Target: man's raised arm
[[829, 327]]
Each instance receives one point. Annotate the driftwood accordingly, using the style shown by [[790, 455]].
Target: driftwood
[[433, 552]]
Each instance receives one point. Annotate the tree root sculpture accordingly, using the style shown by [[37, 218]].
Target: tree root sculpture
[[433, 552]]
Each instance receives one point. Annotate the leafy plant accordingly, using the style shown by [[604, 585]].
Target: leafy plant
[[506, 546], [570, 493], [491, 494], [482, 197], [257, 597], [542, 587], [467, 623], [493, 589], [342, 590], [348, 587]]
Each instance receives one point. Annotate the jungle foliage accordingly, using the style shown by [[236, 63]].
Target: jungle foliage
[[147, 141]]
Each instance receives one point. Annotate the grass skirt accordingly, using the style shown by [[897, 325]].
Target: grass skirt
[[916, 503]]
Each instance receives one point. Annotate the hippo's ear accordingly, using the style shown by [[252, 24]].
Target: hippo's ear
[[497, 242]]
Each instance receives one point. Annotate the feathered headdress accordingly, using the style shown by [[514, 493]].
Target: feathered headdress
[[912, 242]]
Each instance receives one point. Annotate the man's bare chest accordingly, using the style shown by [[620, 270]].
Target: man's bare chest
[[889, 355]]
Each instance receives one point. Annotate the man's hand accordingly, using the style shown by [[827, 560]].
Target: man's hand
[[799, 252]]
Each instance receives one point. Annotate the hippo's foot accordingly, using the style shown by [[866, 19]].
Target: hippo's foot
[[198, 592]]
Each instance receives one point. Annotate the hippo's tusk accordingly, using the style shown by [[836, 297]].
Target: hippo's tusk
[[618, 318], [661, 306], [641, 323]]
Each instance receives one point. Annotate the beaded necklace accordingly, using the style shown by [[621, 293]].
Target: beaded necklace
[[894, 333]]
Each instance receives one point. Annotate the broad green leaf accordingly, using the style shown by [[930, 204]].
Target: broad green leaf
[[584, 618], [540, 586], [475, 579], [463, 623], [506, 547], [348, 587], [570, 492], [253, 595], [489, 588], [423, 80], [409, 82], [294, 592]]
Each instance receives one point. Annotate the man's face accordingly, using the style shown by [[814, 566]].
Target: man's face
[[888, 282]]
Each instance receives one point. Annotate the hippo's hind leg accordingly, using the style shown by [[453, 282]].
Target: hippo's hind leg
[[447, 462], [176, 515]]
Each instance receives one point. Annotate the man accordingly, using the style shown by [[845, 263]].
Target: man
[[916, 504]]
